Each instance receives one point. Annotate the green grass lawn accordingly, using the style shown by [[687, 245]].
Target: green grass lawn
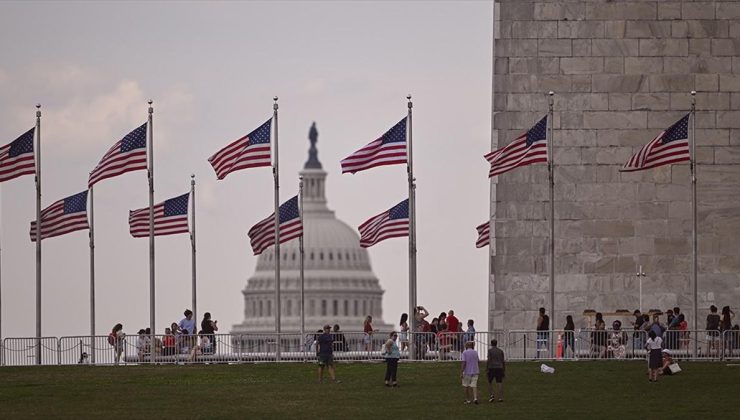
[[428, 390]]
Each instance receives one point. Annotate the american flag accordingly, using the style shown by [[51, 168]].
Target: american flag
[[671, 146], [128, 154], [530, 147], [393, 223], [250, 151], [483, 235], [170, 217], [17, 157], [64, 216], [262, 235], [389, 149]]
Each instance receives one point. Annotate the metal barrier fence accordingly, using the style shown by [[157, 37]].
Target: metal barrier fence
[[584, 344]]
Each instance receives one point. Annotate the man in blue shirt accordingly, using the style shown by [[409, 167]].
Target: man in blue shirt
[[325, 354], [188, 323]]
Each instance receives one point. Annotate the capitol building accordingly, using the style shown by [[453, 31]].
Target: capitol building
[[340, 287]]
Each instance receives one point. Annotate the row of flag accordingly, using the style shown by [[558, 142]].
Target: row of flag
[[254, 150], [668, 147]]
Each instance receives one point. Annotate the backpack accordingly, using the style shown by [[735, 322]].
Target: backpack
[[112, 339]]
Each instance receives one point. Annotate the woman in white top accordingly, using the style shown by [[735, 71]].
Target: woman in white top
[[654, 345]]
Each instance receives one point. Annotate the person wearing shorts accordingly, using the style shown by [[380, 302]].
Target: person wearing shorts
[[325, 354], [469, 373], [495, 366]]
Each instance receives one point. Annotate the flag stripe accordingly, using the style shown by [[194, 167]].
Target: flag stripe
[[262, 234], [17, 158], [528, 148], [138, 220], [126, 155], [59, 219], [250, 151], [483, 235], [389, 149], [385, 226], [668, 147]]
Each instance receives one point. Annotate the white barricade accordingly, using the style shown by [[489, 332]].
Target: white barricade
[[25, 351]]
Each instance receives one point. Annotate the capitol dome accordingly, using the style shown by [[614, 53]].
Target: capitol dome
[[340, 286]]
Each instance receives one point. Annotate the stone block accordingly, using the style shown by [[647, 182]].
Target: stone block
[[517, 83], [554, 83], [581, 101], [729, 155], [680, 29], [580, 29], [736, 65], [615, 28], [669, 10], [661, 120], [679, 210], [697, 10], [713, 137], [574, 138], [581, 47], [639, 245], [520, 10], [672, 192], [598, 120], [548, 65], [567, 155], [615, 47], [573, 173], [581, 65], [534, 29], [704, 101], [728, 119], [571, 120], [735, 101], [620, 101], [610, 173], [614, 65], [680, 174], [581, 83], [554, 47], [664, 47], [501, 65], [652, 227], [734, 28], [647, 29], [525, 102], [560, 11], [643, 65], [701, 47], [622, 11], [512, 228], [619, 84], [651, 101], [706, 29], [671, 82], [735, 137], [706, 82], [728, 10], [706, 119], [522, 65], [611, 229], [729, 82], [672, 246], [705, 155], [725, 47]]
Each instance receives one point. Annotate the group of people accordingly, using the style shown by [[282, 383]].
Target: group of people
[[178, 338], [444, 333]]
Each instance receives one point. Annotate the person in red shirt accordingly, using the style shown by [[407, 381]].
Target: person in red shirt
[[168, 341], [453, 326]]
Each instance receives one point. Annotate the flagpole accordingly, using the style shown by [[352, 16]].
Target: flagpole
[[38, 234], [276, 174], [193, 249], [694, 244], [551, 176], [300, 252], [151, 221], [92, 276], [412, 228]]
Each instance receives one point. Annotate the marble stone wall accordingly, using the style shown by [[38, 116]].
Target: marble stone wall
[[621, 72]]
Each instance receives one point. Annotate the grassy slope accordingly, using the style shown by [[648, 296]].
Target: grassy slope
[[576, 390]]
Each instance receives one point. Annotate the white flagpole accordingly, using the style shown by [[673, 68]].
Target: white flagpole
[[92, 276], [300, 252], [412, 230], [38, 234], [276, 174], [551, 176], [193, 248], [152, 307], [694, 244]]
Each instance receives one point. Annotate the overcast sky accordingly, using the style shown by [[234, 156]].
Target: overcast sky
[[212, 70]]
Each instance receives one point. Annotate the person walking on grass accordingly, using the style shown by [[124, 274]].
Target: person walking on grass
[[654, 345], [325, 354], [469, 373], [495, 367], [392, 354]]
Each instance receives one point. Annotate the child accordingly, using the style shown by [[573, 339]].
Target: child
[[469, 373], [654, 344]]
